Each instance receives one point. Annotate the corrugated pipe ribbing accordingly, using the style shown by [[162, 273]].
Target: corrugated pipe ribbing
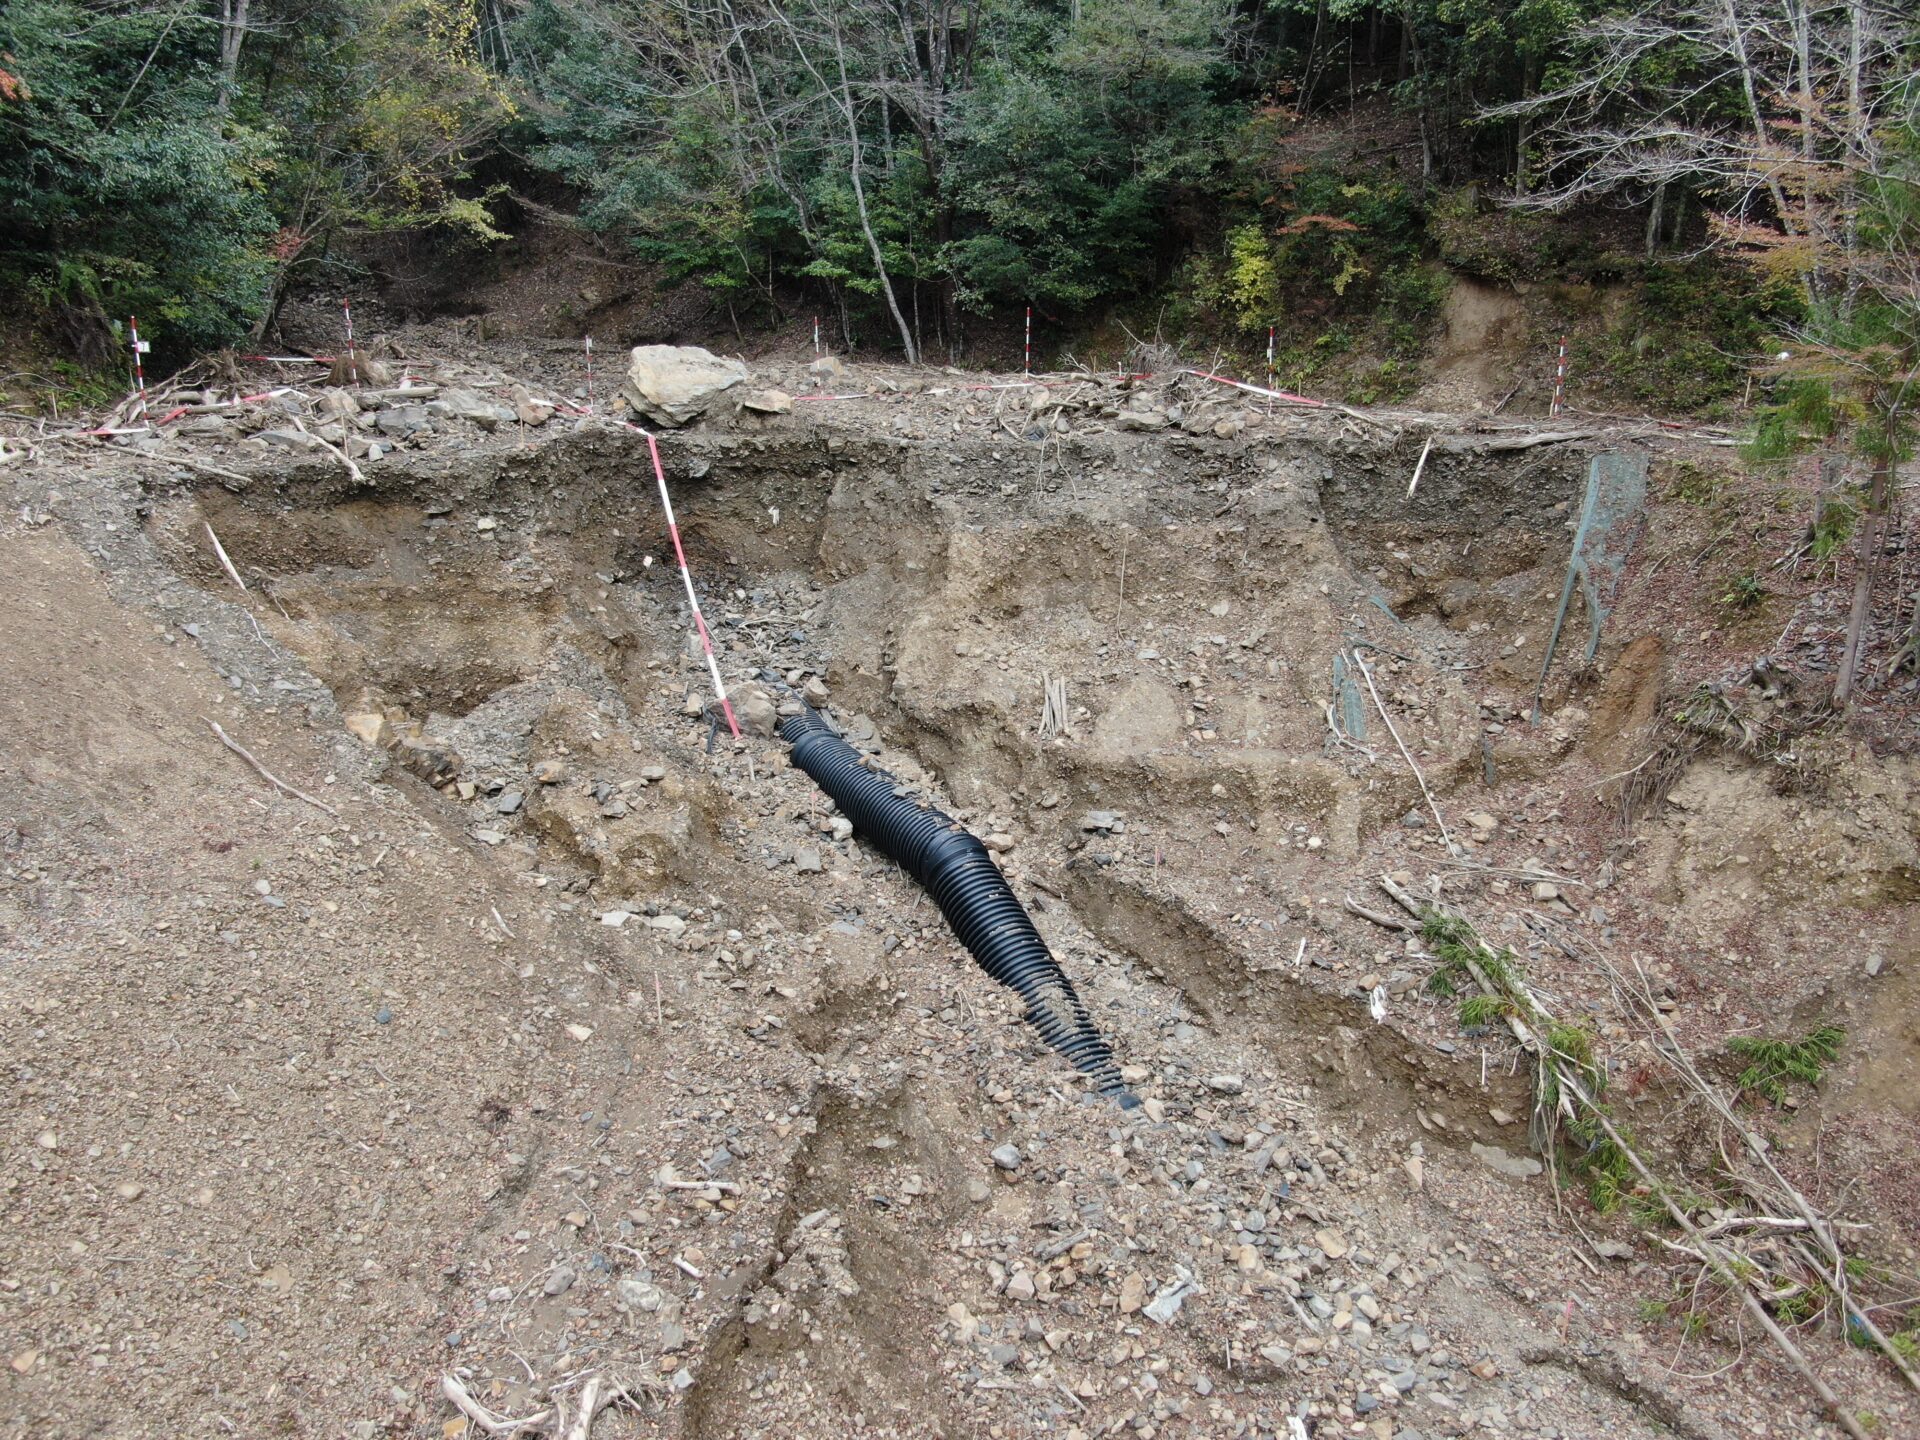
[[957, 870]]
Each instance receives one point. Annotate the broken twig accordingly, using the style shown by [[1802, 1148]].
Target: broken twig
[[266, 774]]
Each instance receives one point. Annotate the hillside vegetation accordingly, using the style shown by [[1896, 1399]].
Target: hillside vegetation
[[1194, 169]]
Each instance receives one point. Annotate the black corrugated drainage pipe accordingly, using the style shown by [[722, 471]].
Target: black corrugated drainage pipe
[[958, 872]]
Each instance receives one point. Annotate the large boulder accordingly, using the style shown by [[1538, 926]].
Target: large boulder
[[677, 384]]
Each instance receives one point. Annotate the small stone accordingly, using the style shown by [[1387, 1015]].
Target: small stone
[[47, 1140], [383, 1016], [1020, 1287], [999, 841], [559, 1282], [1481, 821], [1520, 1167], [1543, 891], [129, 1189], [637, 1294], [653, 774], [815, 691], [807, 860], [768, 402], [758, 715], [367, 726], [1226, 1084], [1166, 1304], [1331, 1242], [549, 772], [1099, 820], [1007, 1157], [840, 827], [510, 802]]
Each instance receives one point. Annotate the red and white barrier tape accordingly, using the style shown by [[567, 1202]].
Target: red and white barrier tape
[[1286, 395]]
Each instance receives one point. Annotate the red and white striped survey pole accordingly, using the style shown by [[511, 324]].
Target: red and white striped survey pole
[[1559, 380], [140, 347], [1027, 369], [686, 578], [816, 337], [1270, 330], [589, 374], [346, 308]]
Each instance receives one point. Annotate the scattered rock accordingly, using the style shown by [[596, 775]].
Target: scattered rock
[[528, 408], [559, 1282], [1007, 1157], [767, 402], [638, 1294], [757, 714], [1167, 1301], [1520, 1167], [807, 860], [1226, 1084]]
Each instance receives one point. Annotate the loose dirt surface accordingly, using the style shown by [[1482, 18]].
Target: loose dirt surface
[[575, 1044]]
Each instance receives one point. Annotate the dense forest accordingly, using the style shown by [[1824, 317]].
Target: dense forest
[[916, 167]]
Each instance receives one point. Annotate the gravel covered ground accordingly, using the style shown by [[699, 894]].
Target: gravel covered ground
[[559, 1049]]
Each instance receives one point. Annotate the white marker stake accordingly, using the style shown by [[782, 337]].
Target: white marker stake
[[1559, 380], [140, 347], [1028, 370], [816, 337], [346, 309], [1270, 374], [699, 621]]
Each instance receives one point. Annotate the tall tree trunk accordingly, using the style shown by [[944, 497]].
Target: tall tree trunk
[[855, 168], [1763, 144], [1869, 554], [1654, 213], [233, 31]]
